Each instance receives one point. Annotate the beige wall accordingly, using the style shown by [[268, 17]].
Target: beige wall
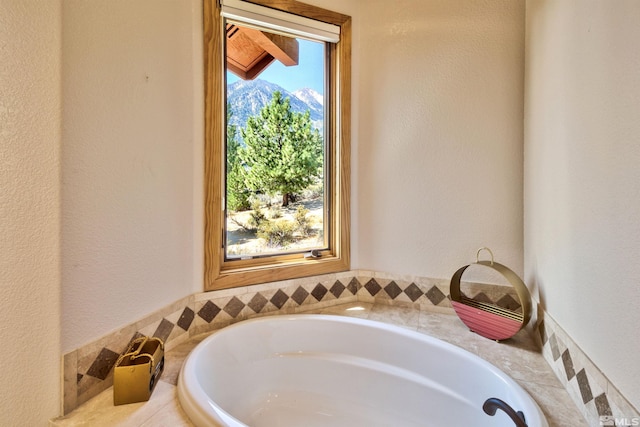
[[582, 176], [439, 156], [131, 161], [437, 142], [29, 211]]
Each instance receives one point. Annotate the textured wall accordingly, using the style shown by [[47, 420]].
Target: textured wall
[[29, 211], [130, 201], [582, 180], [128, 204], [439, 156]]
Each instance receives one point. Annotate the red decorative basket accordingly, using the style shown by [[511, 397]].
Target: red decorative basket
[[489, 320]]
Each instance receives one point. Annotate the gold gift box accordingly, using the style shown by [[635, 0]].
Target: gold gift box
[[137, 370]]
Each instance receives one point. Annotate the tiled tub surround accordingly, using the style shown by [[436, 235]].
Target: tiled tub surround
[[598, 400], [88, 371], [519, 357]]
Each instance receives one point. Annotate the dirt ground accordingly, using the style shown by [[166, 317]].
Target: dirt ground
[[243, 242]]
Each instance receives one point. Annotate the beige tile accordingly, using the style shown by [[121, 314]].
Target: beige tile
[[177, 337], [174, 358], [580, 361], [365, 296], [101, 412], [222, 293], [352, 309], [592, 415], [520, 362], [70, 381], [170, 415], [150, 328], [401, 316], [89, 387], [556, 405], [163, 396], [573, 392], [443, 308], [325, 304], [450, 329], [206, 328], [269, 287]]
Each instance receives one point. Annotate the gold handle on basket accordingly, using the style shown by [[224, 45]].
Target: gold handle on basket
[[480, 250]]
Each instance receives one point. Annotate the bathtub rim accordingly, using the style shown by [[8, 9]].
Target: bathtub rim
[[201, 416]]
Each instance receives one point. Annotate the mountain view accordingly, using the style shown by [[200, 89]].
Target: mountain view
[[248, 97]]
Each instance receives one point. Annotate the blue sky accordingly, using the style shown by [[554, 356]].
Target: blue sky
[[308, 73]]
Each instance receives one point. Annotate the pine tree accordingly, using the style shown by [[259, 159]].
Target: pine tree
[[237, 192], [283, 153]]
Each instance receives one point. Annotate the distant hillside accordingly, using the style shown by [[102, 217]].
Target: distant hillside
[[248, 97]]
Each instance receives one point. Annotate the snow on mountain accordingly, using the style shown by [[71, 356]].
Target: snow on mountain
[[309, 96], [248, 97]]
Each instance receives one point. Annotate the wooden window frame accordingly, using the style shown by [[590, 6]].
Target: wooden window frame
[[221, 274]]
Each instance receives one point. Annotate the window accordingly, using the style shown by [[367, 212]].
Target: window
[[296, 222], [276, 176]]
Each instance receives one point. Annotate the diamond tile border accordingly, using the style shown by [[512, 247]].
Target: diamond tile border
[[88, 370], [594, 395]]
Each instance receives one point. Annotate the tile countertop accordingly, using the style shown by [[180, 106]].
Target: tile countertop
[[519, 357]]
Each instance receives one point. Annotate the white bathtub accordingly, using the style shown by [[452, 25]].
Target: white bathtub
[[333, 371]]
